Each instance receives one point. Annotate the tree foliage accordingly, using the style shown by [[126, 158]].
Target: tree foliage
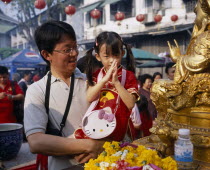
[[30, 18], [6, 52]]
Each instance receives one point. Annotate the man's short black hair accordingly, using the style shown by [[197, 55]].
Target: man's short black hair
[[50, 33], [169, 65], [3, 70]]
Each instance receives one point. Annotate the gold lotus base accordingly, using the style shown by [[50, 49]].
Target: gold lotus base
[[202, 154], [195, 117]]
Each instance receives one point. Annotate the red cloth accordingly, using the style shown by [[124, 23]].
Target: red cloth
[[6, 105], [28, 167], [42, 162]]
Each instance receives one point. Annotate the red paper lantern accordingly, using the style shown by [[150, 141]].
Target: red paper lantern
[[6, 1], [158, 18], [40, 4], [119, 16], [95, 14], [174, 18], [140, 17], [70, 10]]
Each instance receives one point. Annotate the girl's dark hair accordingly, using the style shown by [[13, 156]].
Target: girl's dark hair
[[50, 33], [114, 46], [155, 74], [82, 64]]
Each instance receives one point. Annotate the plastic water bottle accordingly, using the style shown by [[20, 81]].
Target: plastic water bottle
[[183, 150]]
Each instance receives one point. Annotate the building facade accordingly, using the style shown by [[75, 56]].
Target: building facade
[[6, 24], [147, 35]]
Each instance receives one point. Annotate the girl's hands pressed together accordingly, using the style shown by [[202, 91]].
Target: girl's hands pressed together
[[110, 72], [115, 79]]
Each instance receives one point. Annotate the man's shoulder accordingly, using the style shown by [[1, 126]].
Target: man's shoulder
[[39, 85]]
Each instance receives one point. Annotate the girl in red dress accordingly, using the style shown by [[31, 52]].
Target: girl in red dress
[[109, 50]]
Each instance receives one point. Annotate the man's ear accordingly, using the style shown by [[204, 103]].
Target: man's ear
[[46, 55], [97, 57]]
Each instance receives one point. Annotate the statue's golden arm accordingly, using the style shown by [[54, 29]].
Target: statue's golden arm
[[196, 63], [174, 51]]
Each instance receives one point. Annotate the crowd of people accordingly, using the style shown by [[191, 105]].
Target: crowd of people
[[58, 104]]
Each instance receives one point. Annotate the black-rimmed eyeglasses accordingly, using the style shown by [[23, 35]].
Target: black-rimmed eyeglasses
[[68, 50]]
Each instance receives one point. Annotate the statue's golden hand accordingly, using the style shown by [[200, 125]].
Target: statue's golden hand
[[174, 50]]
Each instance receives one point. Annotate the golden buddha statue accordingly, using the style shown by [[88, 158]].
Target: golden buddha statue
[[187, 98], [197, 58]]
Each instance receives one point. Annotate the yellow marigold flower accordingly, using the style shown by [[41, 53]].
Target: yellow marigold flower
[[139, 156], [140, 149], [169, 164]]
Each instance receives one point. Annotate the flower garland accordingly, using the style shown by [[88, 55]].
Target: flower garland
[[126, 156]]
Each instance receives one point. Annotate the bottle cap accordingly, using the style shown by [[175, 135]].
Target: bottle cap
[[184, 131]]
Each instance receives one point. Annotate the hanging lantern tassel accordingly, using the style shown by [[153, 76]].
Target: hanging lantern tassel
[[157, 19], [119, 16], [140, 18], [174, 18], [70, 10], [95, 14]]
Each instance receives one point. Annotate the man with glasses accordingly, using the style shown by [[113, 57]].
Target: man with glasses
[[57, 44]]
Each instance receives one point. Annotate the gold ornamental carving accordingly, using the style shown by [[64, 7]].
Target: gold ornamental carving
[[185, 101]]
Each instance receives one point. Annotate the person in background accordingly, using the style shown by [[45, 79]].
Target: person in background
[[16, 77], [146, 81], [7, 97], [56, 41], [157, 75], [24, 82], [170, 70], [36, 77], [146, 119]]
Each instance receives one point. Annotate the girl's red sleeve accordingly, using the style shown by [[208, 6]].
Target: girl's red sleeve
[[131, 83]]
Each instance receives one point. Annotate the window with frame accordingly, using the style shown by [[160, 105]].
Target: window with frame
[[125, 6], [190, 5], [167, 4], [149, 5]]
